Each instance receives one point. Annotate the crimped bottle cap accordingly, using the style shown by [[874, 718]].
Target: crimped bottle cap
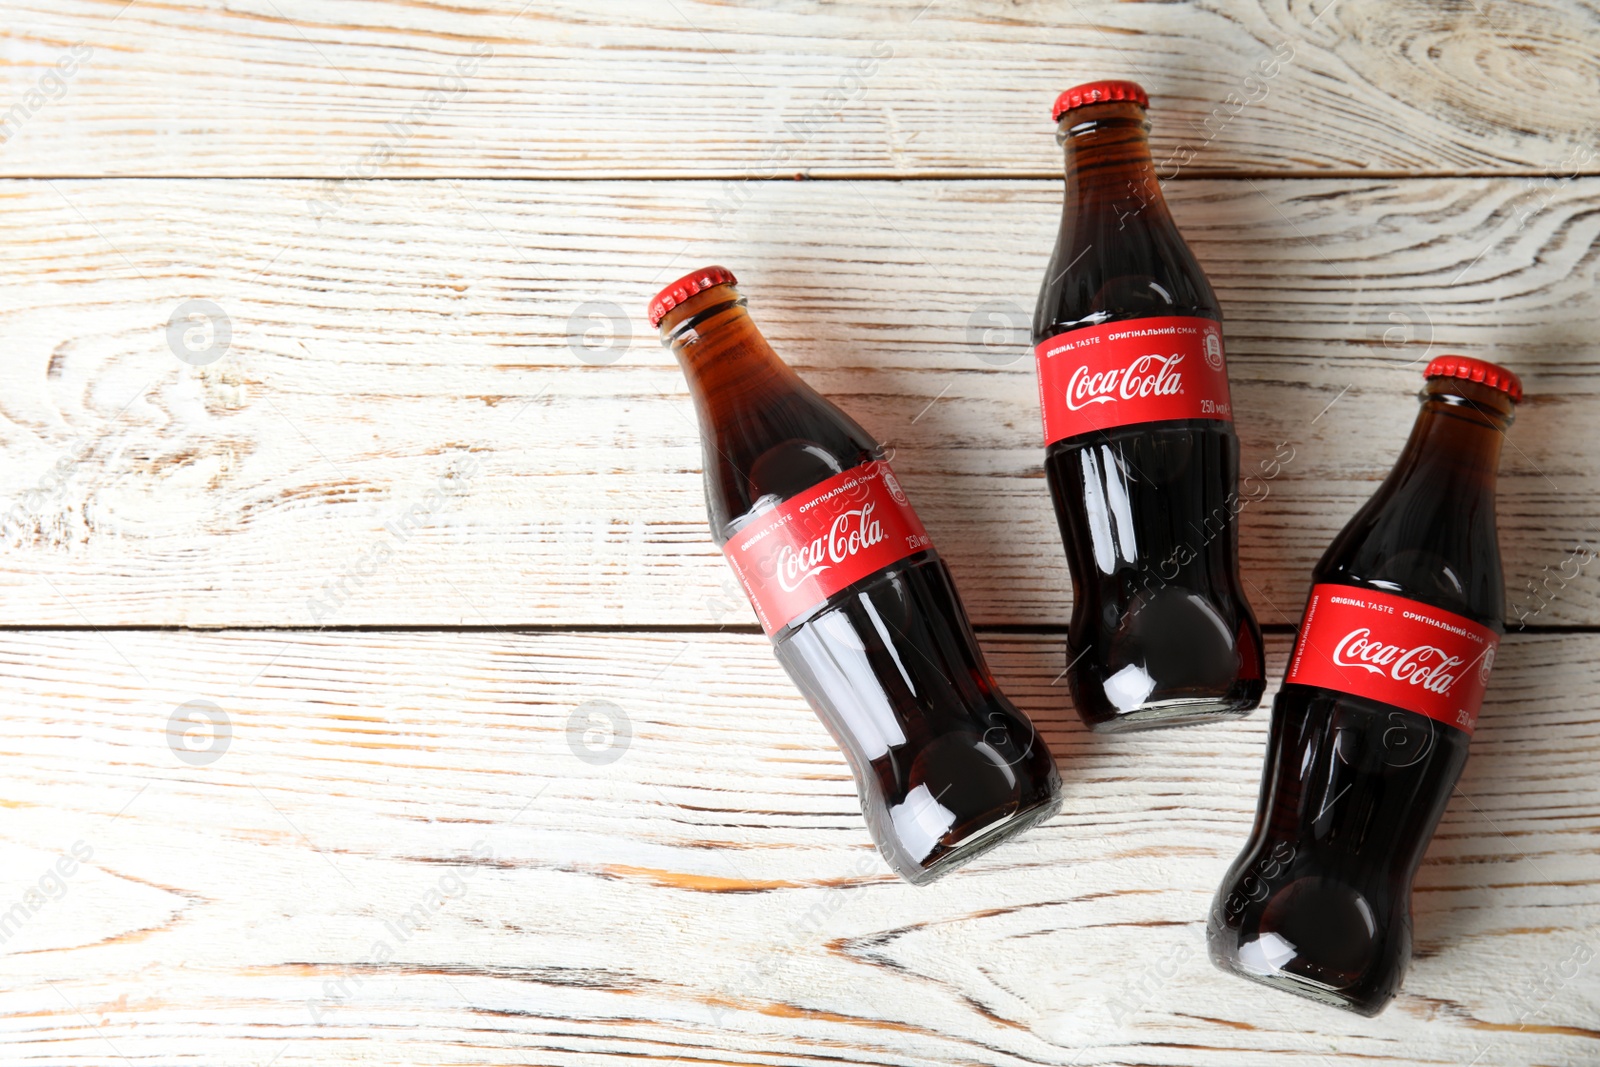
[[1477, 370], [1099, 92], [697, 281]]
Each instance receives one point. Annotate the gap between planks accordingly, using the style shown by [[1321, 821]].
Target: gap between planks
[[1188, 174], [1282, 629]]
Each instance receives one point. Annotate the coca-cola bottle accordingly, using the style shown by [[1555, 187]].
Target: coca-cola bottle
[[860, 609], [1369, 732], [1141, 457]]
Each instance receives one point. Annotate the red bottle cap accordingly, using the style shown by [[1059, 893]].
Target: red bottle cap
[[1477, 370], [1098, 93], [697, 281]]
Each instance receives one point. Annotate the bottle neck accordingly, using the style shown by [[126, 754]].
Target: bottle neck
[[720, 349], [1109, 171], [1429, 532], [766, 434], [1457, 437], [1119, 254]]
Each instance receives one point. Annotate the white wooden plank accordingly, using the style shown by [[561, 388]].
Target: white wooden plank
[[710, 894], [434, 330], [508, 88]]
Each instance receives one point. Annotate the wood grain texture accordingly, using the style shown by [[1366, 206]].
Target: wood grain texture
[[909, 88], [307, 324], [707, 894], [409, 423]]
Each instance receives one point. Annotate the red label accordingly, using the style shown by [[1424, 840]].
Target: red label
[[817, 542], [1137, 370], [1394, 650]]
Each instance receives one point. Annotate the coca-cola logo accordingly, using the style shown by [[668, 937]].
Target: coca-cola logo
[[851, 532], [1147, 376], [1427, 666]]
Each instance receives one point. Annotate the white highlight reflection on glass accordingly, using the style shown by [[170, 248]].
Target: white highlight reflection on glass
[[1266, 954], [1121, 511], [837, 664], [1209, 614], [988, 751], [920, 821], [1128, 687], [1094, 506], [888, 643]]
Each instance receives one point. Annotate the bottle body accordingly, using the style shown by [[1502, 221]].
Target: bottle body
[[1371, 728], [1141, 455], [945, 766], [862, 612]]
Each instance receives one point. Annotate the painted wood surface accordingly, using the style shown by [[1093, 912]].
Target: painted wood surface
[[374, 692], [484, 343], [559, 88], [573, 848]]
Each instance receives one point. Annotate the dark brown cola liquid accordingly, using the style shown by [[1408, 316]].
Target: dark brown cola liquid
[[1161, 631], [1319, 901], [945, 766]]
